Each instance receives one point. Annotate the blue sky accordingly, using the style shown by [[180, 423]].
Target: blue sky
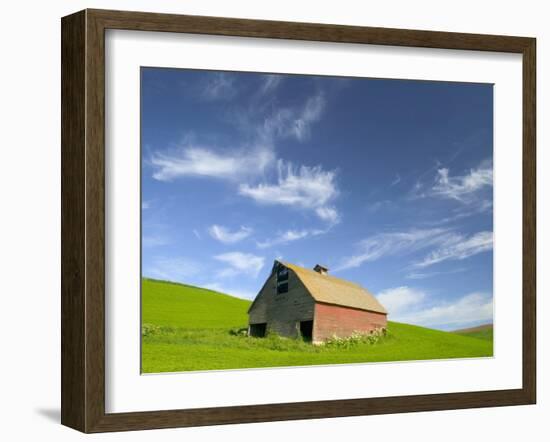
[[387, 182]]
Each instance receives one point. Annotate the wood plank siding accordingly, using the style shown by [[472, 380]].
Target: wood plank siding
[[282, 312]]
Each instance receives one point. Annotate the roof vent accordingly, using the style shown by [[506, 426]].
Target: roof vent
[[321, 269]]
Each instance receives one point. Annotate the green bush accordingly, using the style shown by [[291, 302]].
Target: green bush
[[243, 331], [356, 338], [150, 330]]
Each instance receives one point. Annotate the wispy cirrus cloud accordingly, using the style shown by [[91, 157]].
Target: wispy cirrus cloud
[[154, 240], [252, 165], [269, 84], [381, 205], [304, 187], [414, 306], [463, 187], [395, 243], [329, 214], [396, 180], [446, 243], [283, 238], [470, 189], [240, 263], [424, 275], [219, 86], [294, 122], [459, 249], [481, 206], [226, 236], [289, 236], [258, 152], [198, 161]]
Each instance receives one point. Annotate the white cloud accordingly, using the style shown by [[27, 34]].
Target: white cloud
[[394, 243], [240, 263], [290, 236], [304, 187], [381, 205], [475, 208], [463, 187], [399, 299], [396, 180], [220, 86], [229, 290], [448, 244], [424, 275], [243, 163], [294, 122], [206, 162], [413, 306], [172, 269], [329, 214], [459, 249], [283, 238], [270, 83], [154, 240], [145, 205], [472, 308], [223, 234]]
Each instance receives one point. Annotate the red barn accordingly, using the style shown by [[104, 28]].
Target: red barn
[[295, 301]]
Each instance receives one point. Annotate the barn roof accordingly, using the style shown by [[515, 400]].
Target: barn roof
[[331, 290]]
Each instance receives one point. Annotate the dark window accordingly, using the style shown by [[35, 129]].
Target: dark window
[[282, 287], [258, 330], [282, 279], [306, 330], [282, 274]]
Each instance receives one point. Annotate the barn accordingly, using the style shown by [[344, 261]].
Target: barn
[[295, 301]]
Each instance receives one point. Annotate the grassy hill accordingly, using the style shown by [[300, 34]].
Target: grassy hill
[[480, 332], [189, 328]]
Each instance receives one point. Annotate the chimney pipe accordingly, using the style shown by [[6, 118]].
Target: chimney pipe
[[323, 270]]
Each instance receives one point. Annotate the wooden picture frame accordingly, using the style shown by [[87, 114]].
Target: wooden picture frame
[[83, 220]]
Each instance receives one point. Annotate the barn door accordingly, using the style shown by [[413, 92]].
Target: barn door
[[306, 330]]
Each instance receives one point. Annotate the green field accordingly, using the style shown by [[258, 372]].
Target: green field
[[482, 332], [188, 328]]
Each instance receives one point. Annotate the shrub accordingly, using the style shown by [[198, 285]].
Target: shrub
[[150, 330], [243, 331], [356, 338]]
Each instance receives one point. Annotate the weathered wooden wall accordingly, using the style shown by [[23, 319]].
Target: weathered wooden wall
[[335, 320], [283, 311]]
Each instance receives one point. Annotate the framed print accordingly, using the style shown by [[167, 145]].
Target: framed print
[[268, 221]]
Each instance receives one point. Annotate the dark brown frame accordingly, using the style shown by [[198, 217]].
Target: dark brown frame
[[83, 217]]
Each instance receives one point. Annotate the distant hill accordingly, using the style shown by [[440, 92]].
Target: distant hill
[[484, 331], [190, 328]]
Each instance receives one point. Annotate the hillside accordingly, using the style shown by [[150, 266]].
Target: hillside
[[484, 331], [184, 306], [189, 328]]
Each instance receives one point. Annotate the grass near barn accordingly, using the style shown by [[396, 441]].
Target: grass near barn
[[188, 328]]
